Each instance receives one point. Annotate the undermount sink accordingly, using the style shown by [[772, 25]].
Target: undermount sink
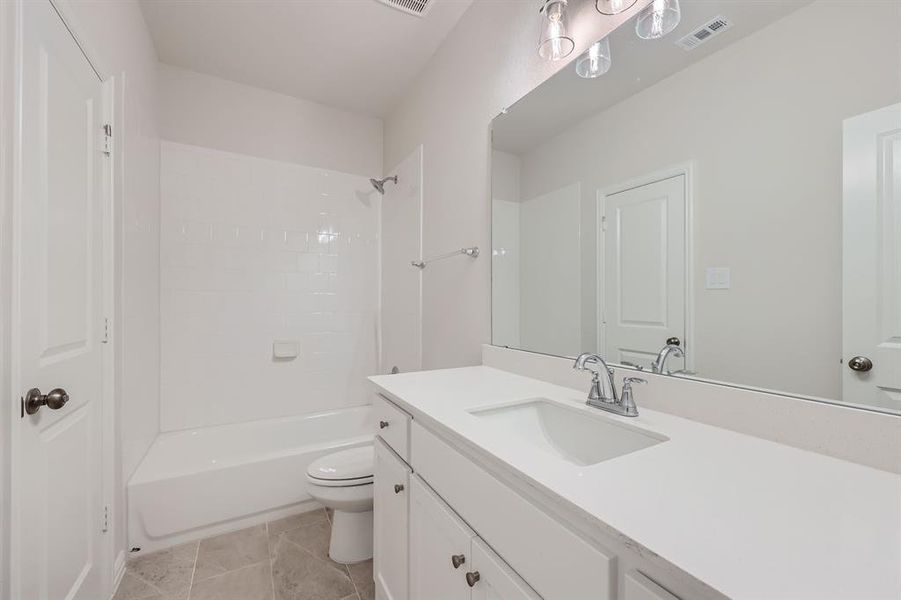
[[572, 434]]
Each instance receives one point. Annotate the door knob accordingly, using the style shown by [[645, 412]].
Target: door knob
[[383, 424], [860, 363], [55, 400], [457, 560], [472, 578], [398, 488], [673, 341]]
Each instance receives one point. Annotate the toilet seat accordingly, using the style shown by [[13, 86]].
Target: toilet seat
[[352, 467]]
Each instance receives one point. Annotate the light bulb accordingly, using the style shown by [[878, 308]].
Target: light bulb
[[553, 42], [596, 61], [613, 7], [658, 19]]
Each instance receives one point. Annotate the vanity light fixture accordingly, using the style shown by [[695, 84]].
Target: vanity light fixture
[[658, 19], [596, 61], [613, 7], [553, 41]]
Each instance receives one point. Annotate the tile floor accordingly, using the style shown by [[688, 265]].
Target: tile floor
[[285, 559]]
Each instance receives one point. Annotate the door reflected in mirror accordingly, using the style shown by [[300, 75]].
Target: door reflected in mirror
[[741, 198]]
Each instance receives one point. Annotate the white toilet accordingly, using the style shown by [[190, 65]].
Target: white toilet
[[342, 481]]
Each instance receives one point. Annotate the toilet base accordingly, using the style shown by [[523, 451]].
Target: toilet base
[[351, 537]]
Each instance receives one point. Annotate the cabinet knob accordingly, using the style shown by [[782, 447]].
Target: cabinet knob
[[383, 424], [472, 578], [398, 488], [457, 560]]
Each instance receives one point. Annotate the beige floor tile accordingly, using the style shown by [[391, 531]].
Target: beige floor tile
[[133, 588], [298, 575], [295, 521], [248, 583], [312, 538], [167, 570], [361, 574], [231, 551]]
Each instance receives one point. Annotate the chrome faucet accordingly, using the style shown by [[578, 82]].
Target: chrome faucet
[[603, 390], [667, 351]]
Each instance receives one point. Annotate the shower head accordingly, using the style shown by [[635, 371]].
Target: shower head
[[379, 184]]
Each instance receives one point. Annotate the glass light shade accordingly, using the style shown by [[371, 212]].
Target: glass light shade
[[553, 41], [614, 7], [658, 19], [596, 61]]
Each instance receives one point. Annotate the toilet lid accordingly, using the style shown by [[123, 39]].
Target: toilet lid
[[346, 465]]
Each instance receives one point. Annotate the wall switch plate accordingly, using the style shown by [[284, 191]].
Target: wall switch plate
[[719, 278]]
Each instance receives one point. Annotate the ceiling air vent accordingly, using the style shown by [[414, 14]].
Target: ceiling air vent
[[702, 34], [417, 8]]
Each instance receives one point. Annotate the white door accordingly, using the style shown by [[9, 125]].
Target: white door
[[644, 274], [391, 524], [57, 321], [493, 579], [439, 547], [872, 259]]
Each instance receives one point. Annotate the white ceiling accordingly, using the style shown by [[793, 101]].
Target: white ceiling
[[566, 99], [359, 55]]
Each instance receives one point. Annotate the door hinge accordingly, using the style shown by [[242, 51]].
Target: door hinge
[[106, 328], [604, 223], [107, 139], [104, 527]]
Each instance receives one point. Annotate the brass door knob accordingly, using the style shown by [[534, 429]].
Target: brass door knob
[[457, 560], [55, 400], [472, 578]]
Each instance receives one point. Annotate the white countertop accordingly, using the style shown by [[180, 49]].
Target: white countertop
[[748, 517]]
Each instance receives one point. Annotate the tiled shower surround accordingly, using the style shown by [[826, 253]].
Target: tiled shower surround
[[255, 251]]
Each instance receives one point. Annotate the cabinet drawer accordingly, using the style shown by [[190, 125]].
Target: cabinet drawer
[[639, 587], [554, 561], [393, 425]]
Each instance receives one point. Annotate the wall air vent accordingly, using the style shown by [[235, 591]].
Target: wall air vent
[[417, 8], [705, 33]]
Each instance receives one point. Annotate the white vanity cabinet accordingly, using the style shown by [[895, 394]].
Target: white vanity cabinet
[[639, 587], [391, 520], [440, 545], [448, 529], [448, 561], [495, 580]]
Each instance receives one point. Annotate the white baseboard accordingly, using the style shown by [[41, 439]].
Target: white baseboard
[[118, 572]]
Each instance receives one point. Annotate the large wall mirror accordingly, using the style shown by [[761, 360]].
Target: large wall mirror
[[737, 192]]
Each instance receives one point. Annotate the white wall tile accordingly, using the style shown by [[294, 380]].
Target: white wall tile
[[254, 250]]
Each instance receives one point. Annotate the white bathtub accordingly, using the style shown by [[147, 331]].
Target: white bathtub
[[200, 482]]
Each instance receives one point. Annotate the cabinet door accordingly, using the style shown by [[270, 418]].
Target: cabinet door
[[439, 547], [639, 587], [493, 579], [391, 525]]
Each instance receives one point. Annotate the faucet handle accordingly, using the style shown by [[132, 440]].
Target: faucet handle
[[627, 402]]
